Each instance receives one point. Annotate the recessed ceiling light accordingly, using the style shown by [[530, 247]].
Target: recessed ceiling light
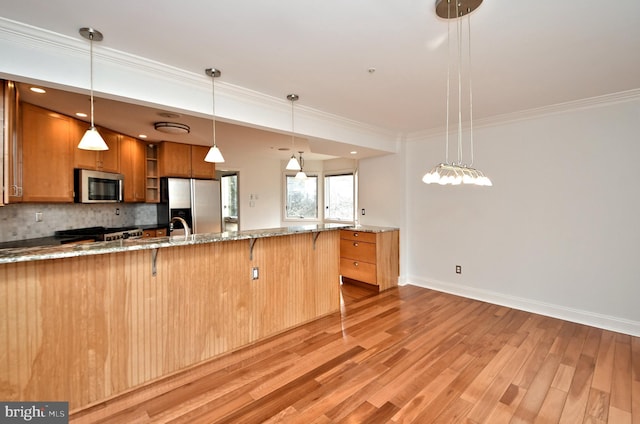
[[38, 90], [142, 135], [353, 152], [81, 114]]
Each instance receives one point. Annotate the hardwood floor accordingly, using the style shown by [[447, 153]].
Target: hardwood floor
[[407, 355]]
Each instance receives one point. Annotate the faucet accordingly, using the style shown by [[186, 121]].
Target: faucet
[[184, 225]]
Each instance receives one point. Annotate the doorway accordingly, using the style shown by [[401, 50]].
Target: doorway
[[229, 200]]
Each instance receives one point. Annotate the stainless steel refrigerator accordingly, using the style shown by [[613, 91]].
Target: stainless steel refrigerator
[[196, 201]]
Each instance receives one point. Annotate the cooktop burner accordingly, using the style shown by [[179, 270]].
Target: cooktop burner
[[102, 233]]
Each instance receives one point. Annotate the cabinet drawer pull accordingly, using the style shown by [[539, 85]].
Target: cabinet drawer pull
[[355, 244], [355, 234], [355, 264]]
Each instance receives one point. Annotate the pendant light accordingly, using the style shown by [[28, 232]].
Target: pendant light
[[301, 175], [457, 172], [91, 140], [293, 164], [214, 155]]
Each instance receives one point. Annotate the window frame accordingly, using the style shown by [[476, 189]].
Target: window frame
[[285, 203], [354, 192]]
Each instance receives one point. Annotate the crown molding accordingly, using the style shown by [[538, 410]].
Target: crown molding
[[555, 109], [123, 76]]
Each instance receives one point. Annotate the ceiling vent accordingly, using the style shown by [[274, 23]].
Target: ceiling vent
[[172, 127]]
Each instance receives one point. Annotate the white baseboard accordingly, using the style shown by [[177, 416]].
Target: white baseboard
[[620, 325]]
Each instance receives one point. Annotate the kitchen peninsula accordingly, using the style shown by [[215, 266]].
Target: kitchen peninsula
[[87, 322]]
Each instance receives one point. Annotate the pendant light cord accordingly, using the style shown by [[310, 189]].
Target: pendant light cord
[[459, 34], [213, 102], [470, 91], [292, 128], [448, 79], [91, 74]]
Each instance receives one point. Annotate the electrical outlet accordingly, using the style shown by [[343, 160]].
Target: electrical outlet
[[254, 273], [117, 211], [363, 211], [38, 216], [458, 269]]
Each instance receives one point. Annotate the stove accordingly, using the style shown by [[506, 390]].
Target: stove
[[101, 233]]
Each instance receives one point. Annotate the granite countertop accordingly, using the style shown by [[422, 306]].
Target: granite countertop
[[369, 228], [24, 254]]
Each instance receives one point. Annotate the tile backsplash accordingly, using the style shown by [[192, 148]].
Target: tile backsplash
[[18, 221]]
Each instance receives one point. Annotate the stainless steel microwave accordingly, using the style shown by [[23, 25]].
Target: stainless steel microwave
[[97, 187]]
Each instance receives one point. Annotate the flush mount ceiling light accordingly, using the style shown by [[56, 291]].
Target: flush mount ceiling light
[[293, 164], [91, 140], [214, 155], [172, 127], [457, 172]]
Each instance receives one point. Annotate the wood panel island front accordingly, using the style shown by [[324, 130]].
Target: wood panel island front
[[85, 323]]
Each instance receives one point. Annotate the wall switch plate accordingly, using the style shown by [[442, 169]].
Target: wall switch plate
[[38, 216], [458, 269], [254, 273]]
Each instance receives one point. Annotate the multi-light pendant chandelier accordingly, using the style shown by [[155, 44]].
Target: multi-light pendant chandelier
[[214, 155], [91, 140], [457, 172]]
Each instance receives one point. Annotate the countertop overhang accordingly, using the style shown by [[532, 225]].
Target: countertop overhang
[[97, 248]]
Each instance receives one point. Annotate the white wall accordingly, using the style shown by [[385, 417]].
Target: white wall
[[259, 190], [559, 231]]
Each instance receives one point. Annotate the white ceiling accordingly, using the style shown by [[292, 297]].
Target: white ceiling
[[525, 54]]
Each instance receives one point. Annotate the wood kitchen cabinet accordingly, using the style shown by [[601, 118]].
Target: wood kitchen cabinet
[[13, 143], [104, 160], [47, 155], [132, 166], [154, 232], [200, 168], [370, 257], [184, 160]]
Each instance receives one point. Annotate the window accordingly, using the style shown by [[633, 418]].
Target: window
[[302, 197], [339, 197]]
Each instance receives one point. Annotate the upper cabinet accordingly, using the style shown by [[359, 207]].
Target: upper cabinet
[[132, 166], [44, 152], [184, 160], [13, 144], [47, 155], [105, 160], [200, 168]]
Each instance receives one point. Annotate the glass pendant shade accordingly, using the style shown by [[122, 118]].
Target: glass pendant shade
[[301, 175], [214, 155], [293, 164], [91, 140]]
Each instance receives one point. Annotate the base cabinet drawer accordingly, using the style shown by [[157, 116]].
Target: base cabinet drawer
[[154, 232], [361, 271], [358, 250], [370, 257]]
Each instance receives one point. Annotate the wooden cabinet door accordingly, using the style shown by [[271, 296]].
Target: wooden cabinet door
[[107, 160], [13, 144], [132, 157], [175, 160], [200, 168], [47, 155]]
